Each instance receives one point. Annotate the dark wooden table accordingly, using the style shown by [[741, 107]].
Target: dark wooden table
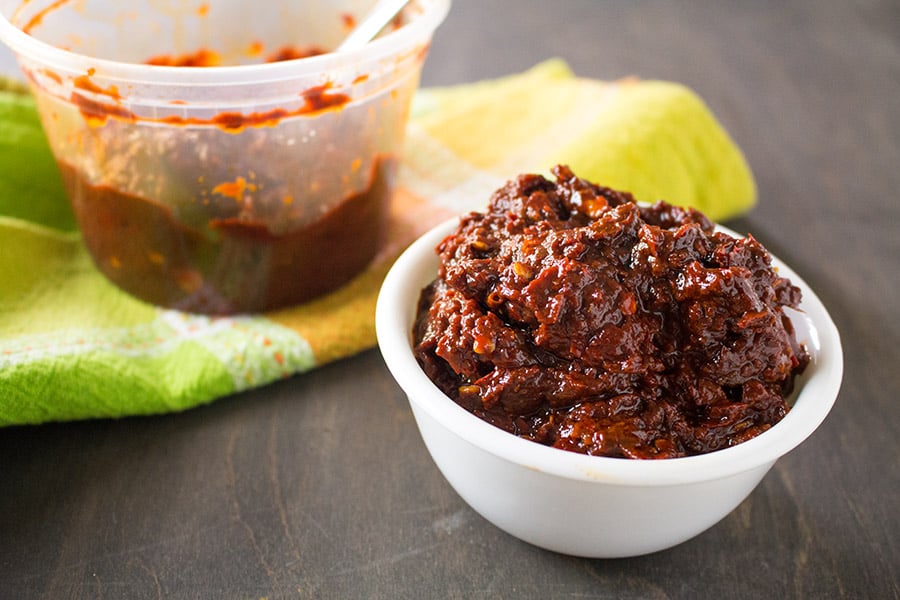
[[319, 486]]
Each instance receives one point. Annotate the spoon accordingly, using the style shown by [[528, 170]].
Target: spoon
[[380, 15]]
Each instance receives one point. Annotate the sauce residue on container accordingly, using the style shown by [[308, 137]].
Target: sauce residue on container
[[571, 316], [315, 100], [206, 57], [235, 263]]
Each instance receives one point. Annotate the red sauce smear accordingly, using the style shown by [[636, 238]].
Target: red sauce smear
[[316, 99], [38, 18], [205, 57], [199, 58], [84, 82], [96, 112], [294, 53]]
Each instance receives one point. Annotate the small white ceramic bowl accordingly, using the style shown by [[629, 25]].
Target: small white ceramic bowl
[[587, 505]]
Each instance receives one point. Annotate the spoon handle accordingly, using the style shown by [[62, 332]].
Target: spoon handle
[[380, 15]]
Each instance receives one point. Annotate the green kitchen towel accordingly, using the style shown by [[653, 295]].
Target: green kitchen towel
[[73, 346]]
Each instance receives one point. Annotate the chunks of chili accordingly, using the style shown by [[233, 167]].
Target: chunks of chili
[[569, 315]]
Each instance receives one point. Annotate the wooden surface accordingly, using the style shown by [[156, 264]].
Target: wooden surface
[[319, 486]]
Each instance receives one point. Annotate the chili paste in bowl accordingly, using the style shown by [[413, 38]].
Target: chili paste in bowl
[[567, 327], [570, 315]]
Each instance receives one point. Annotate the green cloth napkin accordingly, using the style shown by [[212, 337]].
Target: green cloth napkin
[[73, 346]]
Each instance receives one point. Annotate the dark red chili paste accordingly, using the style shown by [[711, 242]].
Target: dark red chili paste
[[569, 315], [235, 263]]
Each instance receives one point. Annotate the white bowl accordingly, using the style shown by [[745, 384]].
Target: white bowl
[[587, 505]]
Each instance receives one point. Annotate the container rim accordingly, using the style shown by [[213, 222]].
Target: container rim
[[421, 27]]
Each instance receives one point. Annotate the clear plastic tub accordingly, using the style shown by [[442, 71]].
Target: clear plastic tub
[[242, 185]]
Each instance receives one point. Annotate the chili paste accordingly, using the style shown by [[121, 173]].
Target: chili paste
[[232, 262], [574, 317]]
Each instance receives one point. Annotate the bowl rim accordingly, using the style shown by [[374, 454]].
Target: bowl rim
[[424, 25], [821, 381]]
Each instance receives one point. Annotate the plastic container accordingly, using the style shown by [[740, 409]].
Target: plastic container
[[244, 185]]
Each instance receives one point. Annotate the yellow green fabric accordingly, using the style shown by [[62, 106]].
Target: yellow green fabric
[[73, 346]]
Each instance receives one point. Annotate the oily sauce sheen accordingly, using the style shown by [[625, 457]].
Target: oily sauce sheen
[[569, 315]]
